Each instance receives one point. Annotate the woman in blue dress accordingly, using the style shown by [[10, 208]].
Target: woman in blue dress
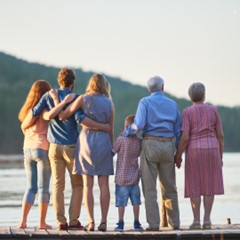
[[93, 156]]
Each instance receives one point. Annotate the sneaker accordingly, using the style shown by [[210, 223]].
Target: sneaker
[[137, 226], [120, 226]]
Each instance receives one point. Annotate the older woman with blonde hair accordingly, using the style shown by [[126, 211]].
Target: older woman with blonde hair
[[202, 139], [93, 156]]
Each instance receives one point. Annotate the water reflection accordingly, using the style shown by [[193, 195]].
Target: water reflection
[[13, 181]]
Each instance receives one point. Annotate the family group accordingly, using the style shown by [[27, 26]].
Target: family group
[[157, 133]]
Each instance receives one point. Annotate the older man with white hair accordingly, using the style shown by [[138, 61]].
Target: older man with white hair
[[158, 118]]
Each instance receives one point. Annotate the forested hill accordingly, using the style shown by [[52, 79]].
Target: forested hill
[[17, 76]]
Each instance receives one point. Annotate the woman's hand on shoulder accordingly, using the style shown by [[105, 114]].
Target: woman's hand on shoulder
[[53, 93]]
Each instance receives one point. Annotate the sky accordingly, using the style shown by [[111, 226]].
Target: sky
[[183, 41]]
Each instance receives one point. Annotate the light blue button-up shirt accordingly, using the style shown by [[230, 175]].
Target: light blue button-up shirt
[[157, 115]]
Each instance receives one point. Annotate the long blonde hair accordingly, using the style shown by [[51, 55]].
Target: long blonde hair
[[38, 89], [98, 84]]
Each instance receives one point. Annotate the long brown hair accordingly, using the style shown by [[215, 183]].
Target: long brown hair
[[38, 89]]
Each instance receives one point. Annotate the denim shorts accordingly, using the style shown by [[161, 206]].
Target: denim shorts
[[123, 193]]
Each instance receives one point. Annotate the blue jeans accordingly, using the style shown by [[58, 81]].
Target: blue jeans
[[38, 170]]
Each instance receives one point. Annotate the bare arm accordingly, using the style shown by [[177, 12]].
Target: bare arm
[[220, 138], [28, 121], [78, 103], [48, 115], [105, 127], [54, 95], [89, 123], [112, 124], [181, 146]]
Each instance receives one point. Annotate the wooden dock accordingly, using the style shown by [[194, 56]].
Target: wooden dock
[[218, 232]]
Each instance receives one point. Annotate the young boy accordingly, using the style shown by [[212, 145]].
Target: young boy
[[127, 176]]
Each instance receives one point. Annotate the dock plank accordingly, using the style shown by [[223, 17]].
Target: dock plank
[[55, 232], [18, 232], [77, 232], [218, 232], [5, 231]]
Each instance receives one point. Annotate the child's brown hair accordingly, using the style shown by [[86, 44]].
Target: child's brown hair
[[129, 120]]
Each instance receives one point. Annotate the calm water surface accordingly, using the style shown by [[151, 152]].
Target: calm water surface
[[12, 186]]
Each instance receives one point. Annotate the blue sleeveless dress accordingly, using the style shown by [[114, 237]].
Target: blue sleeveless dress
[[93, 154]]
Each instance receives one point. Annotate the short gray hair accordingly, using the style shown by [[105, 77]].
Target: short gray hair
[[155, 84], [196, 92]]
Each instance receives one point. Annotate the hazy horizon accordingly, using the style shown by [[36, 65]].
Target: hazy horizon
[[182, 41]]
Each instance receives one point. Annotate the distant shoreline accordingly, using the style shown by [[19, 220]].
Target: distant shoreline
[[10, 160]]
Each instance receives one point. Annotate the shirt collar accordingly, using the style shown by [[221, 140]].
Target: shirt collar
[[157, 93], [68, 90]]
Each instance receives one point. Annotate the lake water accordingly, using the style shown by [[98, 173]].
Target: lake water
[[12, 186]]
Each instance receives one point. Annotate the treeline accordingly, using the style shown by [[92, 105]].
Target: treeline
[[17, 76]]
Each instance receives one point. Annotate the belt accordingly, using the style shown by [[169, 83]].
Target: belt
[[161, 139]]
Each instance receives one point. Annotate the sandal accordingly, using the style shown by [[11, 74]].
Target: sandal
[[90, 227], [102, 227], [207, 225], [46, 226], [195, 225]]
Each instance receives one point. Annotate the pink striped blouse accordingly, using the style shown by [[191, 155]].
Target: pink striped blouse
[[201, 121]]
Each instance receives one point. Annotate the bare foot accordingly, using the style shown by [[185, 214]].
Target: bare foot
[[22, 225], [45, 226]]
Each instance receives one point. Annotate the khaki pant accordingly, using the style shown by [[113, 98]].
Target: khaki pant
[[157, 160], [62, 157]]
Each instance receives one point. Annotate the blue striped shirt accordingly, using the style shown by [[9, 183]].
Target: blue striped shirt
[[157, 115]]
